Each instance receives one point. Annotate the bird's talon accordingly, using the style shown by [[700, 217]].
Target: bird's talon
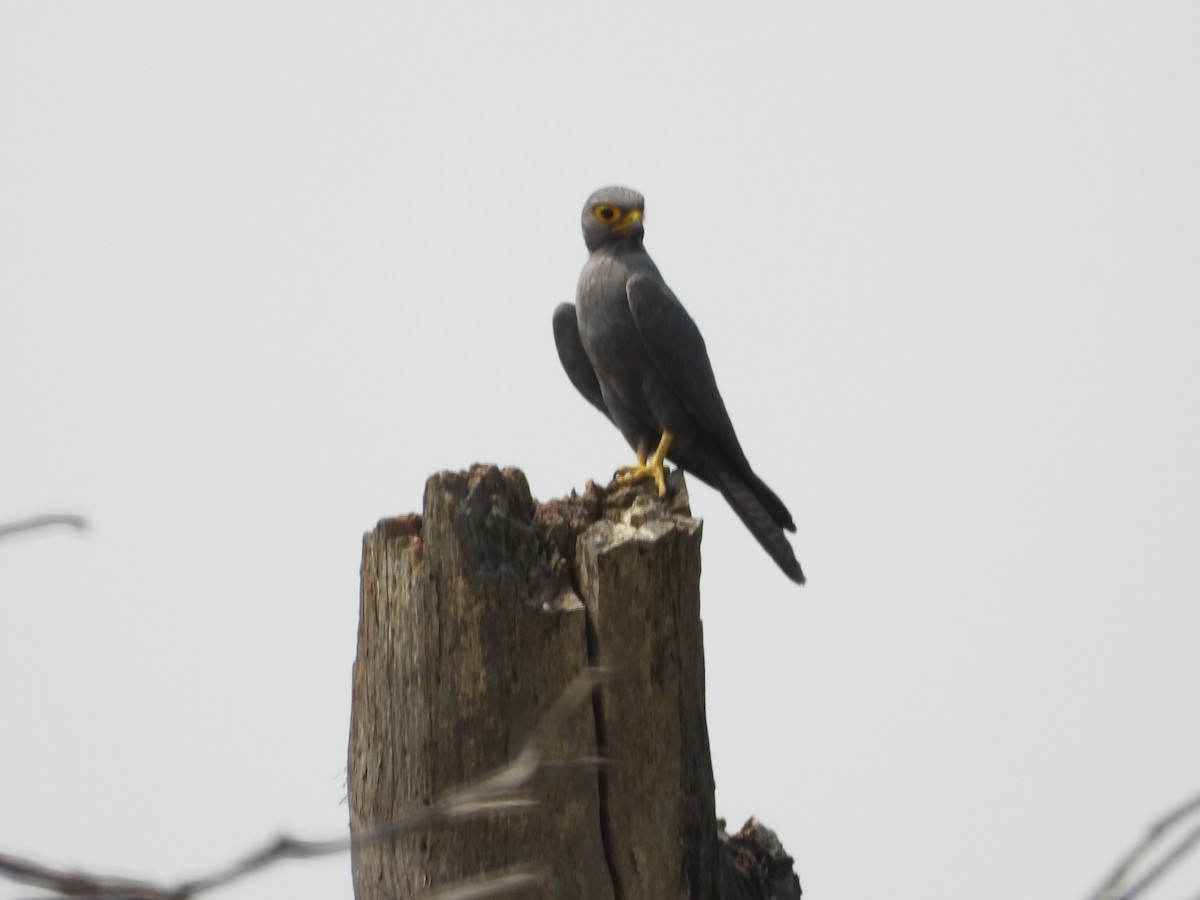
[[651, 467], [660, 479], [634, 474]]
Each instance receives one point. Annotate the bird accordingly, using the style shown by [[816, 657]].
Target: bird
[[630, 348]]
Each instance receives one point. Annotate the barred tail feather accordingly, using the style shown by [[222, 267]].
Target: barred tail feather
[[760, 520]]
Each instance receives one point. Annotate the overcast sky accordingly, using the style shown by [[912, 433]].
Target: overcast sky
[[264, 268]]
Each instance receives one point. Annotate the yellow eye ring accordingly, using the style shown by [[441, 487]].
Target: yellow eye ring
[[608, 214]]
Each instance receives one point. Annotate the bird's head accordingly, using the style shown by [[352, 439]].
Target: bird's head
[[613, 215]]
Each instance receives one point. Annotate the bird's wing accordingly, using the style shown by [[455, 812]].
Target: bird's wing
[[677, 348], [574, 358], [675, 344]]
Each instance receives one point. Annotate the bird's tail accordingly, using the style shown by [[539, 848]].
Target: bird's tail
[[759, 518]]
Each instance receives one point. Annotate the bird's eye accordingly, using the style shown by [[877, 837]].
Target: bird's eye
[[607, 213]]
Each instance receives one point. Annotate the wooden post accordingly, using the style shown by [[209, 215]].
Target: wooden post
[[474, 618]]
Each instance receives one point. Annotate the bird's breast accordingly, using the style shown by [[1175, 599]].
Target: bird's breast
[[606, 325]]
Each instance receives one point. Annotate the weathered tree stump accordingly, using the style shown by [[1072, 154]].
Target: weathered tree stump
[[475, 616]]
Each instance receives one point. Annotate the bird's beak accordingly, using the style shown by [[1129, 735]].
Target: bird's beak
[[631, 218]]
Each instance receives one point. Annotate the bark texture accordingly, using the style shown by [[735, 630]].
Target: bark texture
[[474, 618]]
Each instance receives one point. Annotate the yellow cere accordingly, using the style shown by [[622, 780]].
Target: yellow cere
[[615, 218]]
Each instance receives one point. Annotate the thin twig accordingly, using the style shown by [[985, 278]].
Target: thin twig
[[1114, 887], [79, 884], [1164, 865], [493, 885], [79, 523], [502, 790]]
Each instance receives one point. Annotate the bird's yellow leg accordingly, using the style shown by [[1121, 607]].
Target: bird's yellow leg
[[649, 468], [625, 473]]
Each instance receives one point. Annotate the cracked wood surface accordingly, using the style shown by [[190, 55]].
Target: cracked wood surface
[[472, 622]]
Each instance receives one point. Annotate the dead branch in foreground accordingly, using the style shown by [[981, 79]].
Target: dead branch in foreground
[[1119, 886], [79, 523], [503, 790]]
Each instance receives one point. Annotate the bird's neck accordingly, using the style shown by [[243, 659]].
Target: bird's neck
[[625, 249]]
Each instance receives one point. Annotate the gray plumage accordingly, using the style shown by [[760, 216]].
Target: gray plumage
[[631, 349]]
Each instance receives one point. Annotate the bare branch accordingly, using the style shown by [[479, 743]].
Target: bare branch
[[492, 885], [1117, 886], [503, 790], [1168, 862], [79, 523], [79, 884]]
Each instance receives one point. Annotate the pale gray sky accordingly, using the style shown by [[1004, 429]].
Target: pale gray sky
[[265, 267]]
